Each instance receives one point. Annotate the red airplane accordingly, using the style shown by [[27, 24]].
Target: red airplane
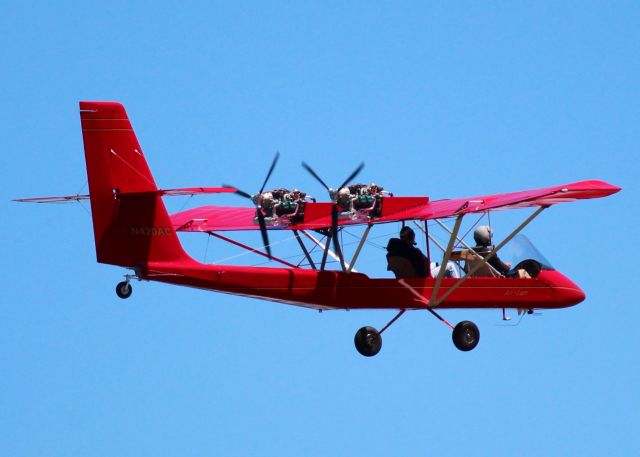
[[133, 229]]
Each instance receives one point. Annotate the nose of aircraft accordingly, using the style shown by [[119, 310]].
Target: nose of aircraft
[[567, 292]]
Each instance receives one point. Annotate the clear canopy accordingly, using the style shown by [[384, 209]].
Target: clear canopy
[[521, 248]]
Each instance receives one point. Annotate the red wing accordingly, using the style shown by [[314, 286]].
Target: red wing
[[196, 190], [215, 218], [529, 198], [229, 218], [318, 215], [523, 199]]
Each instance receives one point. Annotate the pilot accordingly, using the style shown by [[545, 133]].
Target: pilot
[[482, 236], [405, 247]]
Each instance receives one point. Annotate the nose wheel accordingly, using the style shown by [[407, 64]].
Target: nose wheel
[[124, 289]]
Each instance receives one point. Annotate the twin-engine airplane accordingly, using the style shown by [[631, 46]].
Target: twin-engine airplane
[[133, 229]]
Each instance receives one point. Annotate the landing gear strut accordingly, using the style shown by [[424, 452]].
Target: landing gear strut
[[124, 289], [465, 335]]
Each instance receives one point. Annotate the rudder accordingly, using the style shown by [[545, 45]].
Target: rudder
[[130, 222]]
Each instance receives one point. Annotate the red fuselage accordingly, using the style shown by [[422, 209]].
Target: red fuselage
[[338, 290]]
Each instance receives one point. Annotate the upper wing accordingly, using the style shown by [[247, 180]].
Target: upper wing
[[528, 198], [318, 215], [215, 218], [196, 190]]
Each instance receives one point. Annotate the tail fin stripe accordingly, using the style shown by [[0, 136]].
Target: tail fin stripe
[[132, 167]]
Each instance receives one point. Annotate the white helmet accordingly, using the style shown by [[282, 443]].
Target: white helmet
[[482, 235]]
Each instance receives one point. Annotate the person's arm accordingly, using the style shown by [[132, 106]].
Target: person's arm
[[499, 265]]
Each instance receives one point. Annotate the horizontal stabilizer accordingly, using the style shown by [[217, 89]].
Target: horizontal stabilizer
[[183, 191], [62, 199]]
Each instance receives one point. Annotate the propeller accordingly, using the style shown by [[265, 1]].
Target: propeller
[[256, 201], [333, 195]]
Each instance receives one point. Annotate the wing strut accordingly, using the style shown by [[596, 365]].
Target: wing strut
[[489, 256], [250, 249], [445, 259], [304, 249], [327, 250], [460, 240], [433, 240], [359, 248]]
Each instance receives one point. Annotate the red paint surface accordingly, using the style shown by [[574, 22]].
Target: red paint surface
[[133, 229]]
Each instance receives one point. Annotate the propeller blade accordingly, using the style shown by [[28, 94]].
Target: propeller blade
[[315, 175], [352, 175], [334, 208], [238, 191], [263, 231], [273, 165]]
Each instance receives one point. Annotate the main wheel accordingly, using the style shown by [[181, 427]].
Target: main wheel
[[368, 341], [466, 335], [124, 289]]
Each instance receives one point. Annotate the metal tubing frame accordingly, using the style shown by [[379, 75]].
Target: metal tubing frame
[[400, 313], [421, 299], [431, 238], [426, 232], [304, 249], [359, 248], [326, 251], [323, 247], [490, 255], [250, 249], [460, 240], [336, 243], [445, 259]]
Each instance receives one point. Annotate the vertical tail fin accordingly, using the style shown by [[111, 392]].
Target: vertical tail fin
[[130, 222]]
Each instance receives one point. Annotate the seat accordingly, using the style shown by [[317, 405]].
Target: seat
[[401, 267], [485, 270]]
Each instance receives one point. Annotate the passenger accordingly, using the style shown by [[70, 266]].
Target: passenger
[[405, 247], [450, 270]]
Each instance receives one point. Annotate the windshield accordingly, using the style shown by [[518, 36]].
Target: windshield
[[520, 248]]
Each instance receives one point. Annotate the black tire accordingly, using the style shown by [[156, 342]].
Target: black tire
[[466, 335], [368, 341], [124, 289]]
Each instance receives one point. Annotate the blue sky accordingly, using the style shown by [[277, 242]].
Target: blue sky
[[438, 100]]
